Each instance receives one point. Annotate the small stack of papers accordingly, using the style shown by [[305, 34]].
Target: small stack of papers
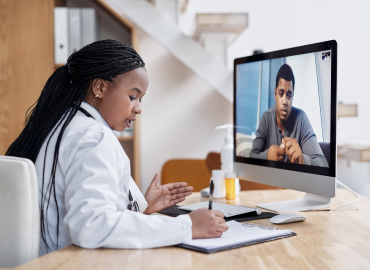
[[238, 235]]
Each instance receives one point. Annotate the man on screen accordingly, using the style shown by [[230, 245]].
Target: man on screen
[[285, 133]]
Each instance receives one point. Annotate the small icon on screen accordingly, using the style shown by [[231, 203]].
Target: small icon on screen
[[326, 55]]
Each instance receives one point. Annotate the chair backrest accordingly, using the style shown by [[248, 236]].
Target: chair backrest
[[213, 161], [19, 212], [192, 171], [325, 148]]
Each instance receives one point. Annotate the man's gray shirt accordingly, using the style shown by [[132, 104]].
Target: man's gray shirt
[[298, 127]]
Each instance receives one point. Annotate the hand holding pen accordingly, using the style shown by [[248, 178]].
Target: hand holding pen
[[208, 223]]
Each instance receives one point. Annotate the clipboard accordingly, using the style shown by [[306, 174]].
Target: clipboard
[[173, 211], [236, 240]]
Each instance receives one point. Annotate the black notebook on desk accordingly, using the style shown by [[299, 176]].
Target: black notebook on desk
[[173, 211], [238, 235]]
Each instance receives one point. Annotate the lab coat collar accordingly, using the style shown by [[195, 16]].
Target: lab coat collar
[[94, 113]]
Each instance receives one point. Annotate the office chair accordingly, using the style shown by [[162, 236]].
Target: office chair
[[325, 148], [197, 173], [19, 212], [192, 171]]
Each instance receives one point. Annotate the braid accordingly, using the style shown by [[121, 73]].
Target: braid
[[59, 102]]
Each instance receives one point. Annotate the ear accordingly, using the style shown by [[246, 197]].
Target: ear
[[275, 94], [99, 87]]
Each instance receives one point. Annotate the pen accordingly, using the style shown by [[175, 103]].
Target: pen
[[211, 188], [132, 205]]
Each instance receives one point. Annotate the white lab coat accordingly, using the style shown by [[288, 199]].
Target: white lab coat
[[92, 183]]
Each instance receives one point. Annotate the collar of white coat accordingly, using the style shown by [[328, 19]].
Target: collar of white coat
[[90, 109]]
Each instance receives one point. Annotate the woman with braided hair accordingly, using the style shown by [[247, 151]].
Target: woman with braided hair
[[86, 194]]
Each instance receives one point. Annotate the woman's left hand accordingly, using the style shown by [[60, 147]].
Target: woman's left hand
[[161, 197]]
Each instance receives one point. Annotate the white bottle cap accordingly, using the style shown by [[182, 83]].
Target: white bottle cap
[[217, 173], [230, 175]]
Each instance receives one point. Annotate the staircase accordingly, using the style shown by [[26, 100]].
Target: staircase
[[150, 20]]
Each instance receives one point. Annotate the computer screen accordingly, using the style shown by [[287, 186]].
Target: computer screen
[[285, 109]]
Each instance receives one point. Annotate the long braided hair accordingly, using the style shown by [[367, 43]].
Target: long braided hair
[[59, 102]]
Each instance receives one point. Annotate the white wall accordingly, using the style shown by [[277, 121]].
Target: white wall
[[179, 112], [275, 25], [355, 174], [306, 92]]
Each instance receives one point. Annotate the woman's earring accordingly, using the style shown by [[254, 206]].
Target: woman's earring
[[97, 95]]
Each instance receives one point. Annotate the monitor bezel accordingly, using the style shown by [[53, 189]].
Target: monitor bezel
[[322, 46]]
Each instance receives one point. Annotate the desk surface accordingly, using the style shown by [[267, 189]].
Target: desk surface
[[326, 240]]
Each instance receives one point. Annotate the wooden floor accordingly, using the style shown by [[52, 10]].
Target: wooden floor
[[326, 240]]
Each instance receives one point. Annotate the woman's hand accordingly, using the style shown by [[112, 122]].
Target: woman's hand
[[207, 223], [161, 197]]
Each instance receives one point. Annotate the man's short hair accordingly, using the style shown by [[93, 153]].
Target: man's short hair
[[285, 72]]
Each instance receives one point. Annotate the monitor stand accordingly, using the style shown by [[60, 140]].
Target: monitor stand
[[307, 203]]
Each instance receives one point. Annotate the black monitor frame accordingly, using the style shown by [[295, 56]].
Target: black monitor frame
[[322, 46]]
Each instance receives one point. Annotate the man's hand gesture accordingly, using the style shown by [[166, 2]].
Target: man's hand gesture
[[276, 153], [161, 197], [293, 150]]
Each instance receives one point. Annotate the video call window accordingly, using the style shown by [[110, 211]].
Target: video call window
[[283, 109]]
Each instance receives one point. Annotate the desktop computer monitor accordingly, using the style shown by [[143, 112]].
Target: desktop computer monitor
[[285, 113]]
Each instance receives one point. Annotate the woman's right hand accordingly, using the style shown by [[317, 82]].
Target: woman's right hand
[[207, 223]]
